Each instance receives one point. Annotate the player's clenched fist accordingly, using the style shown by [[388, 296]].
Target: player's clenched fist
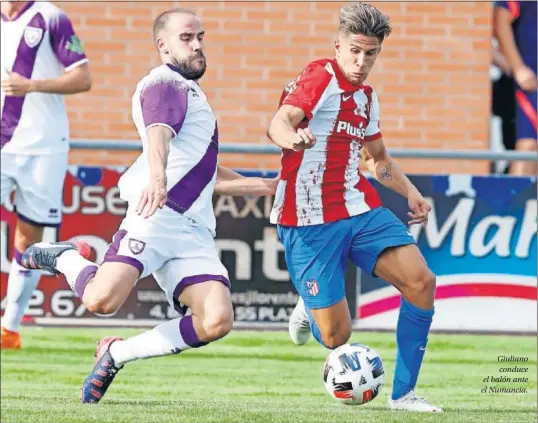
[[153, 197], [16, 85], [420, 209], [303, 140]]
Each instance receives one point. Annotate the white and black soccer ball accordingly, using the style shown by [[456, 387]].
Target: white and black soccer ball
[[353, 374]]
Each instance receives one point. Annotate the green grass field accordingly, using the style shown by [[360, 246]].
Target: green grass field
[[253, 377]]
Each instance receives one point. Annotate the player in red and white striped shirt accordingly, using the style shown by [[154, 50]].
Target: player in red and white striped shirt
[[327, 212]]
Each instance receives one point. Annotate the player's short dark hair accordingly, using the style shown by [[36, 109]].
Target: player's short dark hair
[[160, 21], [364, 19]]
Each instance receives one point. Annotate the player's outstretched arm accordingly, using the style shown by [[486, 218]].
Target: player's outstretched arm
[[283, 133], [232, 183], [389, 173], [155, 194]]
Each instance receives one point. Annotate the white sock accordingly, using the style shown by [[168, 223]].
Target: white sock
[[20, 287], [165, 339], [71, 263]]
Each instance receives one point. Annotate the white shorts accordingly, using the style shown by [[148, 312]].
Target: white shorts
[[176, 250], [38, 182]]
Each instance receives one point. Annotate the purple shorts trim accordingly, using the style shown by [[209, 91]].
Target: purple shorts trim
[[34, 223], [127, 260], [192, 280], [112, 256]]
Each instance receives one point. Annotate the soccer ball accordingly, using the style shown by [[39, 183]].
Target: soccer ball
[[353, 374]]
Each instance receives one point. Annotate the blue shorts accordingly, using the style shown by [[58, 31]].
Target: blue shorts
[[317, 255], [526, 115]]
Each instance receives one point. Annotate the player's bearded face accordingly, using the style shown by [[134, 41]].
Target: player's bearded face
[[356, 55], [193, 67]]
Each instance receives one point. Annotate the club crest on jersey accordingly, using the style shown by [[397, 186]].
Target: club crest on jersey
[[361, 111], [136, 246], [32, 36], [313, 287], [363, 105]]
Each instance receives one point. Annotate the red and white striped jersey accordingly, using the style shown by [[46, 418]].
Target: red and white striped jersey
[[324, 184]]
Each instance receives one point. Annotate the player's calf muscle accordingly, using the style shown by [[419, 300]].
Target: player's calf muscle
[[334, 324], [26, 235]]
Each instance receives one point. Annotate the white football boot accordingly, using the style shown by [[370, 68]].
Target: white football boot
[[299, 327], [412, 402]]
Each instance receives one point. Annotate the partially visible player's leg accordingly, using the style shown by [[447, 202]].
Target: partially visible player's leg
[[316, 257], [211, 318], [385, 248], [9, 338], [38, 201], [102, 289], [134, 253], [21, 282], [526, 132], [520, 168], [333, 324], [406, 269]]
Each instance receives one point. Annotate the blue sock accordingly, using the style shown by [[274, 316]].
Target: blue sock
[[411, 337], [313, 327]]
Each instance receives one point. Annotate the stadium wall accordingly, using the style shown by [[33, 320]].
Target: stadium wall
[[432, 77]]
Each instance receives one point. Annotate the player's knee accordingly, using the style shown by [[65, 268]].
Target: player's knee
[[336, 336], [100, 302], [218, 324], [335, 340], [424, 284]]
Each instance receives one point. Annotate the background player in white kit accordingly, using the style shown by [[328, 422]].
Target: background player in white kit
[[41, 60], [170, 224]]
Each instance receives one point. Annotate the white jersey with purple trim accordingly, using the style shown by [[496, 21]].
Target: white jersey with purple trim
[[39, 43], [164, 97]]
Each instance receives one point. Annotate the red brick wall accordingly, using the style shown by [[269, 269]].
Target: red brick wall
[[432, 76]]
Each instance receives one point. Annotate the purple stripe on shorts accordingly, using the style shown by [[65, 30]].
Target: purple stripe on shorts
[[192, 280], [34, 223], [17, 256], [188, 333], [183, 194], [115, 245], [111, 255], [23, 65], [83, 278]]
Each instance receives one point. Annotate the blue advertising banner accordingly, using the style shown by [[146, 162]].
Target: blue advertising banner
[[480, 241]]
